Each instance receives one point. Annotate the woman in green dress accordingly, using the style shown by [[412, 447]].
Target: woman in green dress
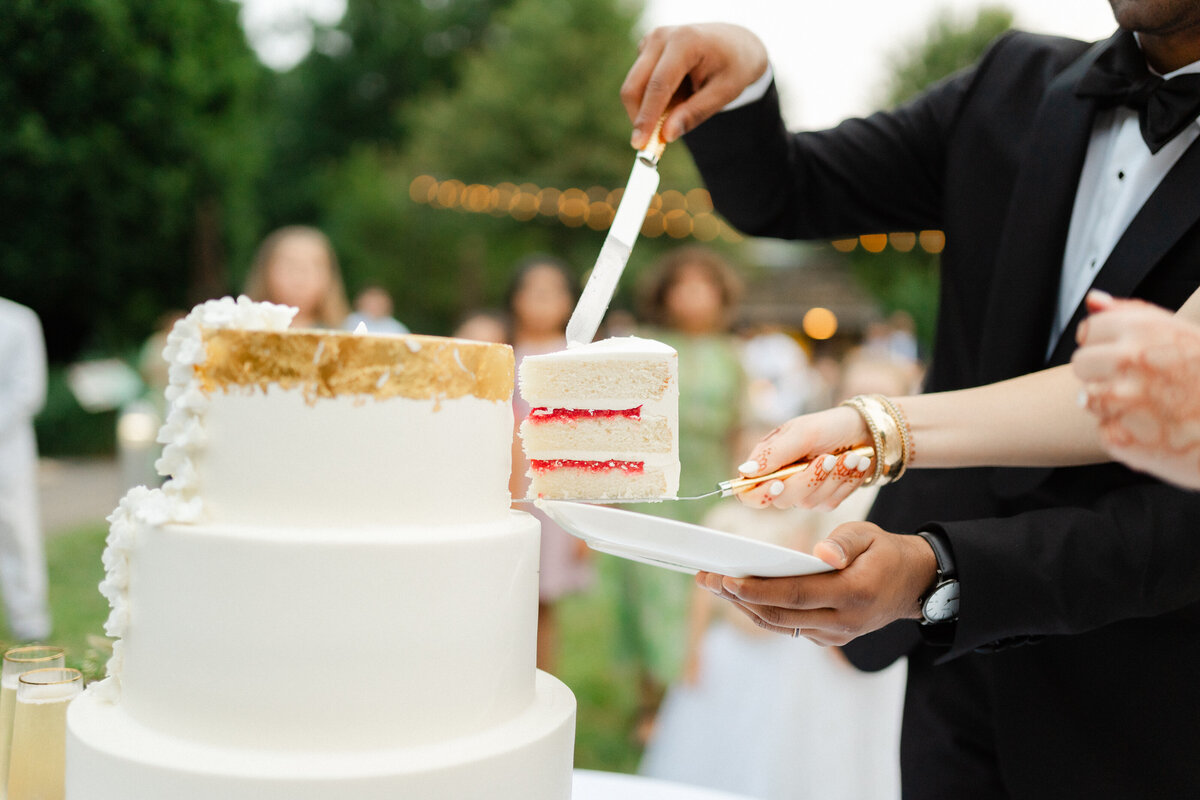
[[688, 301]]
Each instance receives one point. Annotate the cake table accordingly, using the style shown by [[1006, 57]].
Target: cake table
[[591, 785]]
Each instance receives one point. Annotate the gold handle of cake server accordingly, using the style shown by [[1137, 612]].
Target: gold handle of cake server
[[739, 485]]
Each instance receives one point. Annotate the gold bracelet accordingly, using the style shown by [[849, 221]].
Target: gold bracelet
[[906, 442], [876, 437], [885, 435]]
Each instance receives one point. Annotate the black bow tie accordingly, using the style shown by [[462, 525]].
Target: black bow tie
[[1120, 77]]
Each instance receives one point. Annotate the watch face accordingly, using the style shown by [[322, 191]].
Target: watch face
[[942, 603]]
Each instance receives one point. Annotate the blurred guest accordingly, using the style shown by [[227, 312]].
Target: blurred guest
[[373, 308], [787, 709], [782, 384], [902, 342], [22, 394], [296, 266], [540, 298], [619, 322], [689, 300], [483, 325]]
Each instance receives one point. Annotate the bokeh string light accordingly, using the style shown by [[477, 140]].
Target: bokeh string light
[[672, 213]]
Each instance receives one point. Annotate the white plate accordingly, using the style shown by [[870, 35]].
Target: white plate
[[678, 545]]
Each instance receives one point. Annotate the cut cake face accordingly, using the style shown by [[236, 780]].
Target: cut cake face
[[604, 423]]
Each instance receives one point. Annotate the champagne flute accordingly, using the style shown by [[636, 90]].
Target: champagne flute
[[16, 661], [38, 768]]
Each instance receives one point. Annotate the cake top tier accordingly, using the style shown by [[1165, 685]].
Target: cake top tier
[[273, 426]]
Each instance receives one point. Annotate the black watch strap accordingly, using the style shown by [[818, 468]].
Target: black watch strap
[[942, 552]]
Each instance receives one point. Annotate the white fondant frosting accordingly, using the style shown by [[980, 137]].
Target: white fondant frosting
[[111, 756], [614, 346]]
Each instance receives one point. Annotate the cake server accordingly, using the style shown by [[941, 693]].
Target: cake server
[[724, 488], [618, 244]]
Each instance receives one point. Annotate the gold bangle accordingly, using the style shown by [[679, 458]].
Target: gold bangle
[[886, 436], [906, 442]]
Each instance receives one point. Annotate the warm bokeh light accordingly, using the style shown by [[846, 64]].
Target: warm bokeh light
[[699, 201], [600, 215], [423, 189], [844, 245], [932, 241], [677, 222], [902, 241], [653, 226], [820, 323], [548, 201], [673, 200], [705, 227], [672, 213], [873, 242]]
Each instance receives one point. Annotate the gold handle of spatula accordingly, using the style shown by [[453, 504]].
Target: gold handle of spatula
[[739, 485]]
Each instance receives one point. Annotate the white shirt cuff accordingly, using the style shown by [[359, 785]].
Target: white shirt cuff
[[753, 92]]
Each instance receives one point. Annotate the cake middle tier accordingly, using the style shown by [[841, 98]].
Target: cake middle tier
[[331, 639]]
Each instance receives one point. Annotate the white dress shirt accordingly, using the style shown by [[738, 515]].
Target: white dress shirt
[[1119, 175]]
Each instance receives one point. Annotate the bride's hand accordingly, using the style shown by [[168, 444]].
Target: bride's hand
[[1141, 370], [829, 480]]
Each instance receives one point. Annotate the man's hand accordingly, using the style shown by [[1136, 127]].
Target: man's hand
[[879, 578], [719, 59], [1140, 366]]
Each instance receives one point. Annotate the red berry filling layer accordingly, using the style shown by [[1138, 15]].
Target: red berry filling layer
[[571, 414], [628, 467]]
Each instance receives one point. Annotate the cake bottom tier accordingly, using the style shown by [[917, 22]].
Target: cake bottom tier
[[112, 757]]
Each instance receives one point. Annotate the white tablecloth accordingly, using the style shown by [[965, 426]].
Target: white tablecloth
[[591, 785]]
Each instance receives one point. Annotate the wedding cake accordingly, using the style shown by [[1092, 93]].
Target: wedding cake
[[330, 597]]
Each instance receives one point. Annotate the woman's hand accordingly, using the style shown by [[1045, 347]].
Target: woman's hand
[[1141, 371], [829, 480], [704, 67]]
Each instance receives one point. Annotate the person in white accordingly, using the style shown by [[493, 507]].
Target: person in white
[[22, 394]]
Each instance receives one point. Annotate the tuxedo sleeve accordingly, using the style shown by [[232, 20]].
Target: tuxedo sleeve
[[876, 174], [1134, 552]]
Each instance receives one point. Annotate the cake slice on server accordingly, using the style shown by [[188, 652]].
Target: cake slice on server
[[604, 423]]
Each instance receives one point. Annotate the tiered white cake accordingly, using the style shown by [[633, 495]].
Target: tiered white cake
[[331, 596]]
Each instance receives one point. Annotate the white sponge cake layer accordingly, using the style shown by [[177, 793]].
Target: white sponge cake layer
[[612, 435], [594, 482], [605, 421]]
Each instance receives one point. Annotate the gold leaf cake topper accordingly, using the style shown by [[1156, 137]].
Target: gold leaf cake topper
[[326, 364]]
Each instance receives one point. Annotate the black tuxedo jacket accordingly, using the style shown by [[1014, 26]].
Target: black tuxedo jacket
[[1101, 564]]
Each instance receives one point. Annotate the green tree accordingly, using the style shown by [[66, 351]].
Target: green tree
[[128, 151], [909, 280], [349, 89], [537, 103]]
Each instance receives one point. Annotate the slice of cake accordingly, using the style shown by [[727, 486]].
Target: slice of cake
[[604, 423]]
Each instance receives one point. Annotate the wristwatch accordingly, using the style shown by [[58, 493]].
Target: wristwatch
[[940, 604]]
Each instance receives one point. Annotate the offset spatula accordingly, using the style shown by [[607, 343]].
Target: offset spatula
[[724, 488], [618, 244]]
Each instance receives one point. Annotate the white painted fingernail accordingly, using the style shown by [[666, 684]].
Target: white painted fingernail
[[775, 489], [748, 467], [863, 464], [829, 463]]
